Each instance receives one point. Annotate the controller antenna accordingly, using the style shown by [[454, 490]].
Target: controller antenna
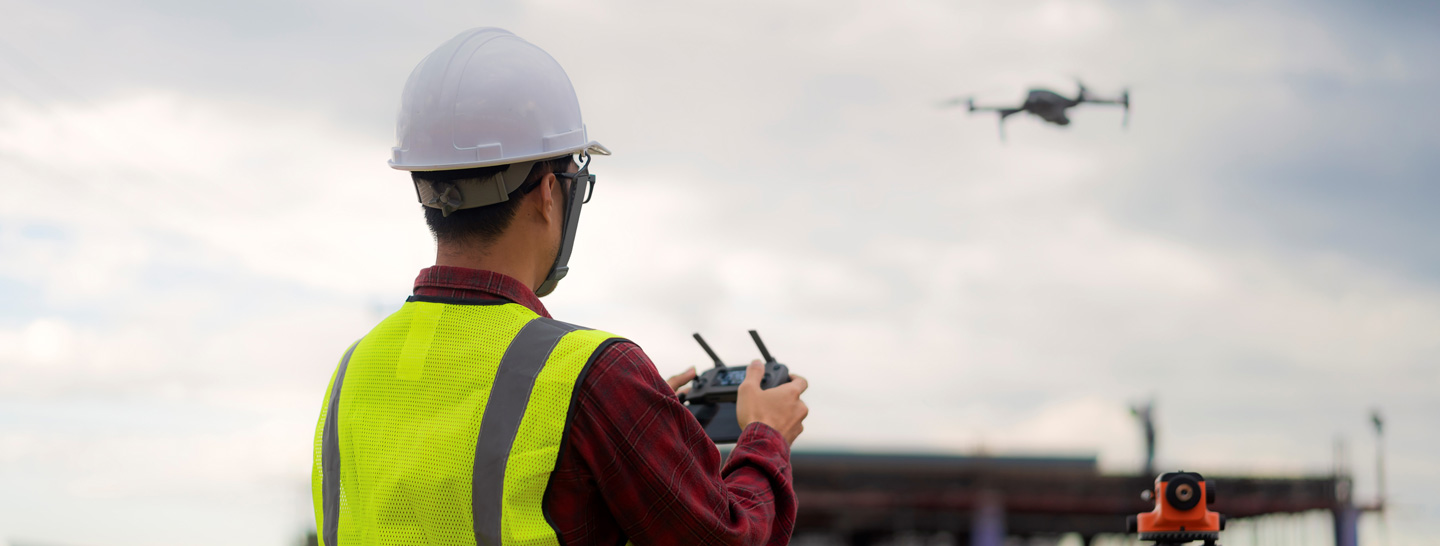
[[761, 344], [713, 356]]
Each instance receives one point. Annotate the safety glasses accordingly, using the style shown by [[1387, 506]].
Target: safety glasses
[[579, 178]]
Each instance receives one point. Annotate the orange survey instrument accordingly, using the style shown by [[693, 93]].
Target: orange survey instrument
[[1181, 513]]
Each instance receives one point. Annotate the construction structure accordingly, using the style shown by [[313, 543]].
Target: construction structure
[[861, 499]]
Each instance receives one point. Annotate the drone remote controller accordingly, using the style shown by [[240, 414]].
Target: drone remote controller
[[712, 394]]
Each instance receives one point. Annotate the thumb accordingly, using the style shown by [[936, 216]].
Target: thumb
[[679, 380], [753, 374]]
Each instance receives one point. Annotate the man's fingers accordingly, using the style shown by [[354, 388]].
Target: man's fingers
[[799, 381], [677, 381], [753, 374]]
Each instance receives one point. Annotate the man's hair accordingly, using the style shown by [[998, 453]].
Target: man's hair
[[482, 224]]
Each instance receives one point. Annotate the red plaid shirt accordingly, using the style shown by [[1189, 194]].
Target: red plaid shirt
[[636, 465]]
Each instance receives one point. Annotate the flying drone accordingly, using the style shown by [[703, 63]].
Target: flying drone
[[1047, 105]]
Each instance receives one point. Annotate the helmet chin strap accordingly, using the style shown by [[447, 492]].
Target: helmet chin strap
[[574, 199]]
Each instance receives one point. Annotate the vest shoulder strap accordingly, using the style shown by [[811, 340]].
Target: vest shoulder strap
[[550, 358]]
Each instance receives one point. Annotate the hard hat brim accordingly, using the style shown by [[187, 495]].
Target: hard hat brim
[[592, 147]]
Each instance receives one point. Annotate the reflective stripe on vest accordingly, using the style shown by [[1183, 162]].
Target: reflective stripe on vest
[[443, 425], [330, 449]]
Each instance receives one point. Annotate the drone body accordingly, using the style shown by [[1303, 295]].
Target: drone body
[[1048, 105]]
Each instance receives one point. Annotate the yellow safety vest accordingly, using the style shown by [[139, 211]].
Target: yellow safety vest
[[443, 425]]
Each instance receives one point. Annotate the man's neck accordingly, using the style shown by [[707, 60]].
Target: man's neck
[[501, 256]]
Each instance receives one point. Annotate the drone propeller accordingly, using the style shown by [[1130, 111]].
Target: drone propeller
[[1125, 101], [958, 101]]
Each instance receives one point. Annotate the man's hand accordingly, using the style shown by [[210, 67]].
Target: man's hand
[[677, 382], [780, 407]]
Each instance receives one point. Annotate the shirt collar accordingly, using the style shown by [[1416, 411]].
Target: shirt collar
[[444, 281]]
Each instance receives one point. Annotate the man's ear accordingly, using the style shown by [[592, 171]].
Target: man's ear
[[546, 198]]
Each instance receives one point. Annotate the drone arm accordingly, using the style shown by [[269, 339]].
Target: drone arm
[[1004, 110], [1124, 101], [1005, 113]]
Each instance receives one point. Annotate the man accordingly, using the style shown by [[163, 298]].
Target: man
[[470, 416]]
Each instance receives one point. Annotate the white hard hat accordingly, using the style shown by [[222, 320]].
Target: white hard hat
[[484, 98]]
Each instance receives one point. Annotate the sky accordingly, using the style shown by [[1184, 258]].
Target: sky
[[196, 219]]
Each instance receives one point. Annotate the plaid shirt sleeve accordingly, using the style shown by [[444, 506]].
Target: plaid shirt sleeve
[[637, 465]]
